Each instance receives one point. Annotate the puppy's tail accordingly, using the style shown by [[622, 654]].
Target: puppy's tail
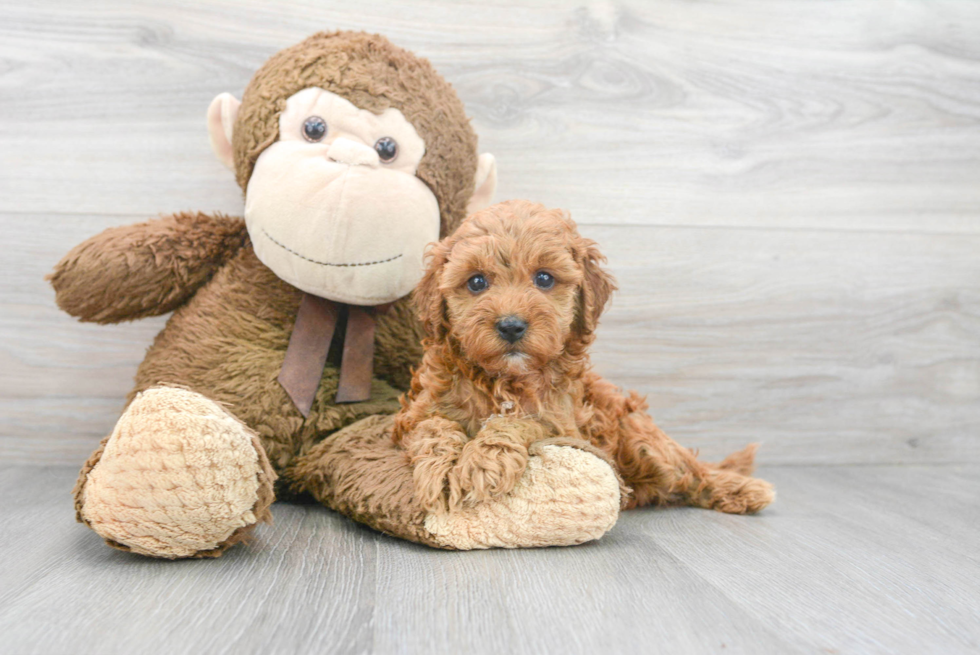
[[742, 461]]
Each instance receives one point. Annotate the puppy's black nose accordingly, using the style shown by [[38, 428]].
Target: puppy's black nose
[[511, 329]]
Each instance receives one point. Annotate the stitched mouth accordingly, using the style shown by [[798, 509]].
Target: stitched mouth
[[314, 261]]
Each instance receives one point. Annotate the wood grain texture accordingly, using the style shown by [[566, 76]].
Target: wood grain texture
[[849, 559], [827, 346], [847, 115], [787, 192]]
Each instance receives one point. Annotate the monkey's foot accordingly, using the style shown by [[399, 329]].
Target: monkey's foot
[[178, 477], [566, 496]]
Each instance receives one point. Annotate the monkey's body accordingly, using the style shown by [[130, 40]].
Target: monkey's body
[[221, 352], [228, 343], [191, 465]]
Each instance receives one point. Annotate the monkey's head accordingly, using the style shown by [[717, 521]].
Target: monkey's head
[[353, 155]]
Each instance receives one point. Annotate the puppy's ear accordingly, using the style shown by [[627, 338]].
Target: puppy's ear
[[430, 304], [597, 285]]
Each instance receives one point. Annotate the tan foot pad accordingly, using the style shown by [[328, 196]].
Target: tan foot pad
[[178, 476], [567, 496]]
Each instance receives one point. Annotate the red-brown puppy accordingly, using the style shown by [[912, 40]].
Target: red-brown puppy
[[510, 303]]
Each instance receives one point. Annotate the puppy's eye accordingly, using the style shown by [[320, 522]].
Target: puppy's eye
[[314, 128], [387, 149], [544, 280], [477, 283]]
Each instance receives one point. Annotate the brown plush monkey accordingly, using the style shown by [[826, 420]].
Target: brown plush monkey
[[353, 155]]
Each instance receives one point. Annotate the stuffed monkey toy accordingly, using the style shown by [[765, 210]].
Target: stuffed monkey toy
[[292, 337]]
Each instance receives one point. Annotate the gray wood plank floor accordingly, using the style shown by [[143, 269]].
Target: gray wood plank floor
[[869, 559]]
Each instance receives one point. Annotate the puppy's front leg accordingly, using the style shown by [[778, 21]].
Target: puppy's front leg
[[492, 463], [433, 446]]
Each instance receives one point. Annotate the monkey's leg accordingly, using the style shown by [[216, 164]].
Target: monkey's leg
[[663, 472], [567, 494], [178, 477]]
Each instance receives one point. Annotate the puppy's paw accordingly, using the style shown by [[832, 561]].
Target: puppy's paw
[[742, 495], [431, 478], [487, 468], [434, 451]]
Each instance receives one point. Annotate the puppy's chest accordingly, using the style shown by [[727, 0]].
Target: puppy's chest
[[554, 409]]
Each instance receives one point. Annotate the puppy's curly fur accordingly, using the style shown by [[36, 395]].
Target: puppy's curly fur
[[510, 304]]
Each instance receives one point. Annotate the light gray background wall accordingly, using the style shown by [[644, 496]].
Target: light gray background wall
[[788, 192]]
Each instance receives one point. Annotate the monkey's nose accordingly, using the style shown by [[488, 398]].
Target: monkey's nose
[[511, 329], [352, 153]]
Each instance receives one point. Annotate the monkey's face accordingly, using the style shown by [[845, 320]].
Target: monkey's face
[[334, 206]]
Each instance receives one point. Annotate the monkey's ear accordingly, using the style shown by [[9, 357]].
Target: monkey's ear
[[221, 126], [486, 184]]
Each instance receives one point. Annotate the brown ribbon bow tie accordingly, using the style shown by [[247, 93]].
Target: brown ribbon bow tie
[[309, 345]]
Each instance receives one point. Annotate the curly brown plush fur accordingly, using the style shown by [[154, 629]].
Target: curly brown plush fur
[[228, 338], [481, 396], [232, 316]]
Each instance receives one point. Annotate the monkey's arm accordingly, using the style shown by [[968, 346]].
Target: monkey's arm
[[145, 269]]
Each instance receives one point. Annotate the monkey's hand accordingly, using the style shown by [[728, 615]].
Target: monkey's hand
[[146, 269]]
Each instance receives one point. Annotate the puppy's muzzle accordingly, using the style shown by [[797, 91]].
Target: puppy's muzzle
[[511, 329]]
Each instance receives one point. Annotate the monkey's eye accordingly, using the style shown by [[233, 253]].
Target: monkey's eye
[[314, 129], [387, 148], [544, 280], [477, 283]]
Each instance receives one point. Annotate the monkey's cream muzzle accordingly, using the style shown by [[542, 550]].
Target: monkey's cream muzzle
[[329, 216], [345, 151]]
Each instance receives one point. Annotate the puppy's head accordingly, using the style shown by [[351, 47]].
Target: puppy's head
[[515, 286]]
